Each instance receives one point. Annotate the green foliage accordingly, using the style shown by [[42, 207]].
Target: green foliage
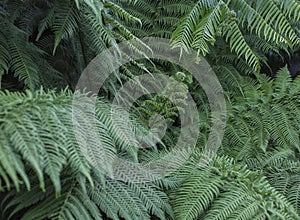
[[37, 127], [232, 20], [44, 173], [32, 48], [267, 188], [262, 131], [266, 112], [226, 190], [116, 199], [168, 104]]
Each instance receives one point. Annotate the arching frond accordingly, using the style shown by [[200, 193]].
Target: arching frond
[[115, 199], [268, 20], [225, 190]]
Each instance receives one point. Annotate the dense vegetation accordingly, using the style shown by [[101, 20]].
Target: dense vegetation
[[253, 47]]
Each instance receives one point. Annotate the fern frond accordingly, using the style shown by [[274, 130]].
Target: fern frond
[[269, 10], [183, 36], [121, 13], [21, 56], [206, 29], [12, 168], [73, 203], [294, 192], [225, 190], [237, 43], [256, 21], [291, 8], [36, 132], [284, 134], [269, 22], [229, 202], [195, 195], [281, 83], [65, 22]]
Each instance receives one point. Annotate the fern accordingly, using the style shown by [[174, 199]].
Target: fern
[[43, 148], [73, 203], [115, 199], [49, 43], [255, 18], [245, 195], [260, 115], [75, 26]]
